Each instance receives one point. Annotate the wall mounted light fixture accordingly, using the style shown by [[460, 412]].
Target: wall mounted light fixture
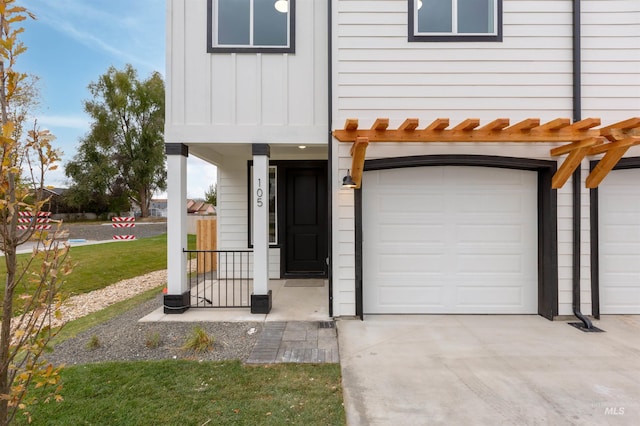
[[347, 181]]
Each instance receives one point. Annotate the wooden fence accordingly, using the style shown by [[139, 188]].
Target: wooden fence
[[206, 239]]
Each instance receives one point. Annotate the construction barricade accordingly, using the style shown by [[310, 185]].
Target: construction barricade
[[40, 223], [125, 225]]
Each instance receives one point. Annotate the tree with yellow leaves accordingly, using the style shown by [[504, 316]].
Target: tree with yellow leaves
[[25, 157]]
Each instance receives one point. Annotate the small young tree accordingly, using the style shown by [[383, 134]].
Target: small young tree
[[31, 286], [211, 194]]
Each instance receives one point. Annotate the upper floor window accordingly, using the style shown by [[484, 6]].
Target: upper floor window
[[455, 20], [251, 26]]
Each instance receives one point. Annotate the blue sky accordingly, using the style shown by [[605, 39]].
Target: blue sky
[[71, 43]]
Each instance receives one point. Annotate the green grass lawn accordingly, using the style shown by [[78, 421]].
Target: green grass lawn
[[99, 265], [175, 392], [196, 393]]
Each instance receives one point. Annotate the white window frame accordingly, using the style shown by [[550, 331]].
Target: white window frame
[[214, 47], [454, 35]]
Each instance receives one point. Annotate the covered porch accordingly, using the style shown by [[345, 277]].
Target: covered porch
[[293, 300], [272, 225]]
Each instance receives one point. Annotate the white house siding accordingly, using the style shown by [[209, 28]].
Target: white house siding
[[610, 87], [245, 97], [378, 73], [611, 59]]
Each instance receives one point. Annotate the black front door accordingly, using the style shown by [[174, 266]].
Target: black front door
[[305, 250]]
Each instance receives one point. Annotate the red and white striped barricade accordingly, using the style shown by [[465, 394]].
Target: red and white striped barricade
[[124, 224], [40, 223]]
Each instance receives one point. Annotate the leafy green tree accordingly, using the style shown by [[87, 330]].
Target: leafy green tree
[[211, 194], [25, 329], [123, 153]]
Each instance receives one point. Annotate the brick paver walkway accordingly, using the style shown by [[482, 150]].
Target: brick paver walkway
[[296, 341]]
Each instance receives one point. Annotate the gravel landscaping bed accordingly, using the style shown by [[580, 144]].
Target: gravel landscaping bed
[[125, 339]]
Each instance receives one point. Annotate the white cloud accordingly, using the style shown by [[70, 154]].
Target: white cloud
[[78, 122], [124, 29], [56, 178], [200, 175]]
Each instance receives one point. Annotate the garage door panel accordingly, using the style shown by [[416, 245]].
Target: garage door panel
[[485, 203], [621, 265], [480, 237], [403, 263], [411, 177], [468, 233], [622, 300], [410, 232], [489, 263], [483, 178], [511, 297], [391, 297], [431, 203], [619, 234], [619, 242]]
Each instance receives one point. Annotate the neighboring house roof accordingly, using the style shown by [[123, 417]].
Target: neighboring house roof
[[200, 207], [56, 191]]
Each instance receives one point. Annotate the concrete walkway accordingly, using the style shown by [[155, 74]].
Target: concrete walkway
[[489, 370]]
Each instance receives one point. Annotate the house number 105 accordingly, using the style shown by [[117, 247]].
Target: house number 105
[[259, 194]]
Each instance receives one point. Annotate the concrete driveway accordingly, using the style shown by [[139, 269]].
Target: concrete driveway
[[489, 370]]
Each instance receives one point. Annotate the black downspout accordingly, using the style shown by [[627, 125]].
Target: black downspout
[[577, 198], [330, 154], [577, 62], [577, 228]]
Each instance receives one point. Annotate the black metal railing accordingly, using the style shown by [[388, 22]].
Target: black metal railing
[[220, 278]]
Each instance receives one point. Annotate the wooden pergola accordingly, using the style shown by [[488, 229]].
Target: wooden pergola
[[582, 138]]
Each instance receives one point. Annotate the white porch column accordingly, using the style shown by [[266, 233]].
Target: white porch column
[[178, 297], [261, 297]]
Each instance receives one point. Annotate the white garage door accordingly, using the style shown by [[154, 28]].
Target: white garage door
[[619, 241], [450, 240]]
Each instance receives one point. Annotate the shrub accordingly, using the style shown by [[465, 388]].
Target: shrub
[[198, 341], [152, 341], [93, 343]]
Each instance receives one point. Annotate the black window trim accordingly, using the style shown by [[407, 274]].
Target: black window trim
[[252, 49], [455, 37]]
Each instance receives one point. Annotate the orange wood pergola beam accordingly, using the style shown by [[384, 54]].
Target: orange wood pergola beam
[[499, 130], [380, 124], [566, 149], [569, 165], [409, 125], [577, 151], [585, 139], [358, 153], [605, 165]]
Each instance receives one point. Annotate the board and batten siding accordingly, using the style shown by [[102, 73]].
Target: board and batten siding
[[245, 97], [378, 73]]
